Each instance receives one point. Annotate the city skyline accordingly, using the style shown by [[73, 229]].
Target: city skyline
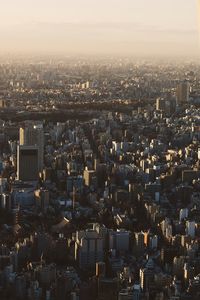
[[99, 149]]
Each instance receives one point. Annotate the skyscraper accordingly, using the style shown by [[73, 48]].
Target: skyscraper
[[88, 248], [33, 135], [160, 104], [27, 163], [182, 93]]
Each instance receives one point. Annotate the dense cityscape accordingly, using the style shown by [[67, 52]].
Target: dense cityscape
[[99, 179]]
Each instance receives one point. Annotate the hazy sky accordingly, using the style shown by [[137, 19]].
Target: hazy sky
[[99, 26]]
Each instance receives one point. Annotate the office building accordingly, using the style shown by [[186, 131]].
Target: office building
[[190, 228], [27, 163], [90, 177], [160, 104], [2, 103], [119, 240], [33, 135], [42, 199], [139, 242], [182, 93], [146, 278], [88, 248], [108, 288], [100, 269], [166, 105]]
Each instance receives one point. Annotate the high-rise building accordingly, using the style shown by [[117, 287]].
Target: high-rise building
[[146, 278], [100, 269], [42, 199], [33, 135], [130, 293], [183, 214], [166, 104], [182, 93], [119, 240], [190, 228], [139, 241], [90, 177], [160, 104], [88, 248], [27, 163], [73, 296], [2, 103], [108, 288]]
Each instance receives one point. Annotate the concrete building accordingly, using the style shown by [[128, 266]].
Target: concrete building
[[119, 240], [89, 177], [160, 104], [27, 163], [139, 241], [88, 248], [146, 278], [100, 269], [182, 93], [33, 135], [42, 199], [190, 228], [2, 103]]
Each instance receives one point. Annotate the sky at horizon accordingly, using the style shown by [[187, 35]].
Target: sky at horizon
[[100, 26]]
